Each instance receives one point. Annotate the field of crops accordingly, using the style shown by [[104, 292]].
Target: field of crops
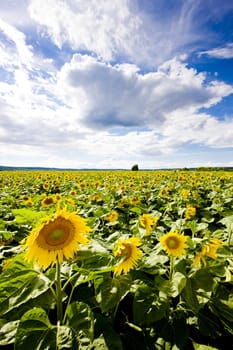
[[118, 260]]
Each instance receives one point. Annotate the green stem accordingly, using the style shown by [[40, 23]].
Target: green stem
[[68, 303], [58, 292], [171, 267], [229, 238]]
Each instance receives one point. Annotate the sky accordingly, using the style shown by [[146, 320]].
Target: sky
[[112, 83]]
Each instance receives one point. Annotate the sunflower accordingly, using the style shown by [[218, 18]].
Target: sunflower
[[190, 212], [130, 253], [148, 222], [208, 250], [57, 238], [112, 217], [174, 243], [47, 201]]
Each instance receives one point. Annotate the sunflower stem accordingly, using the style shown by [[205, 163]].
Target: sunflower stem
[[58, 292], [171, 267]]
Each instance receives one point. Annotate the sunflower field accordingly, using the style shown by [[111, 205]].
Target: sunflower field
[[116, 260]]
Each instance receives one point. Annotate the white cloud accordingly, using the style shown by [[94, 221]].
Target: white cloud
[[123, 28], [108, 96], [102, 27], [220, 52]]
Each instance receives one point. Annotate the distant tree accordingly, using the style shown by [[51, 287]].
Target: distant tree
[[135, 167]]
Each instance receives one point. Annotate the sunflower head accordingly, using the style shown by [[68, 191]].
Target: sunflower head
[[129, 252], [174, 243], [148, 222], [47, 201], [208, 250], [190, 212], [112, 217], [58, 237]]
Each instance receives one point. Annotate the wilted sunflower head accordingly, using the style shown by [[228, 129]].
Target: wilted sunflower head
[[174, 243], [130, 253], [57, 238]]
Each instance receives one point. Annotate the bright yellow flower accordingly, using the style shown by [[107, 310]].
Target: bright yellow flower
[[174, 243], [184, 193], [147, 221], [57, 238], [209, 250], [130, 253], [97, 198], [190, 212], [113, 216], [135, 200]]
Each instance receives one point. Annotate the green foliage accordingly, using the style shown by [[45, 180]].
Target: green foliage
[[162, 303]]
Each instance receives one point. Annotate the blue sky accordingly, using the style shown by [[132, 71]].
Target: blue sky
[[107, 84]]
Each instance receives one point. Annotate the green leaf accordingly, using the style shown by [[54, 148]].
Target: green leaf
[[203, 279], [148, 307], [202, 347], [27, 216], [65, 339], [104, 331], [36, 332], [7, 332], [80, 318], [189, 295], [208, 323], [20, 287], [109, 291], [178, 283]]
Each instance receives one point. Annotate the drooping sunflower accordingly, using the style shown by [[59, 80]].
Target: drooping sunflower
[[58, 237], [208, 250], [148, 222], [174, 243], [130, 253]]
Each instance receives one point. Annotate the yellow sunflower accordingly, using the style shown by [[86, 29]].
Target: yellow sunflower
[[190, 212], [130, 253], [174, 243], [47, 201], [209, 250], [112, 217], [148, 222], [57, 238]]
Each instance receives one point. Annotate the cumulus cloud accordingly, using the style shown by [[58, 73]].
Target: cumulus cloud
[[120, 95]]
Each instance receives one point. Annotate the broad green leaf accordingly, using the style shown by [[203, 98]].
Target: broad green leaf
[[208, 323], [80, 318], [109, 291], [202, 347], [36, 332], [148, 307], [178, 283], [189, 295], [27, 216], [19, 287], [65, 338], [104, 330], [8, 332], [203, 279]]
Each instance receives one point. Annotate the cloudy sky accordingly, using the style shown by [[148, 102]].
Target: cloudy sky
[[111, 83]]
